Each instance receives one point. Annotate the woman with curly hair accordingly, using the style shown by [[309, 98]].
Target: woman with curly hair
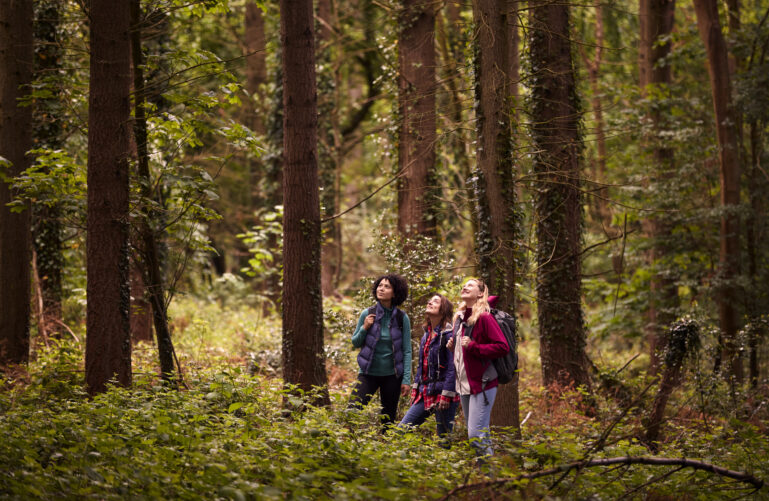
[[384, 336], [477, 340], [433, 388]]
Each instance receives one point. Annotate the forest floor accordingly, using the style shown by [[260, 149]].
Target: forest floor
[[229, 435]]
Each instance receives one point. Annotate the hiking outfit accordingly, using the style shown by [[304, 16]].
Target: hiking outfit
[[434, 382], [476, 378], [385, 351]]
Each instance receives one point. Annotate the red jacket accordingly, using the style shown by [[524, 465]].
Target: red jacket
[[487, 343]]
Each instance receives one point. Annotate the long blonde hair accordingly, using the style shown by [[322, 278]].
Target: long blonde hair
[[480, 306]]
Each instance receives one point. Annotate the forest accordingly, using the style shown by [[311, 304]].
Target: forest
[[196, 197]]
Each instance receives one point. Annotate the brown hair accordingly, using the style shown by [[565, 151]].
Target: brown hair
[[446, 310]]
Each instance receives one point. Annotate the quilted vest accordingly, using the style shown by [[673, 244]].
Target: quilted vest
[[366, 355]]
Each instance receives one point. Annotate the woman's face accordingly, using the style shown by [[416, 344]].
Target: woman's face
[[470, 292], [384, 291], [433, 306]]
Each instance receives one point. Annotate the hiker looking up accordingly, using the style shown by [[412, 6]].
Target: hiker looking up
[[433, 388], [384, 336], [477, 340]]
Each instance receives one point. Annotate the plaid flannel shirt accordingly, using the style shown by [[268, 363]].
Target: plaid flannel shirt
[[429, 400]]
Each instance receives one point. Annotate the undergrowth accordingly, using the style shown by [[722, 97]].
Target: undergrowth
[[227, 435]]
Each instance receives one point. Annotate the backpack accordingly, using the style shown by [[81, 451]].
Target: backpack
[[506, 365], [398, 315]]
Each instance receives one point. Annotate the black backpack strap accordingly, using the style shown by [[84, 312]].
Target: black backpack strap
[[399, 316], [468, 329]]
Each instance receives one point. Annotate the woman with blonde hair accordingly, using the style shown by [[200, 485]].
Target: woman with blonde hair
[[476, 342]]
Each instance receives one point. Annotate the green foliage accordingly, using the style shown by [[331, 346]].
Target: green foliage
[[229, 436], [426, 265], [260, 241], [56, 179]]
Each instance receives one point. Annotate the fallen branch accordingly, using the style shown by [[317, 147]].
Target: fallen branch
[[77, 339], [624, 460]]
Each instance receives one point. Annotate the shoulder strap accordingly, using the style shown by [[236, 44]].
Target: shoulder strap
[[468, 330], [399, 315]]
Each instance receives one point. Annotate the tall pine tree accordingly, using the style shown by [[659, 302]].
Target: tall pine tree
[[303, 356], [108, 341], [16, 63]]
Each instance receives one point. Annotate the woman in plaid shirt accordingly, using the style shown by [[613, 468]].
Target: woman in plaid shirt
[[433, 388]]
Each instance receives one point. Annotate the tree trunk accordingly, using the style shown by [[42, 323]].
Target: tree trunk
[[303, 356], [727, 135], [256, 76], [416, 101], [273, 183], [658, 24], [600, 202], [328, 145], [682, 339], [16, 66], [47, 130], [256, 62], [148, 220], [108, 342], [757, 187], [495, 191], [644, 45], [558, 206], [452, 38], [141, 309]]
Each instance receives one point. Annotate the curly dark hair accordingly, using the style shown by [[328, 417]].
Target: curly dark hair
[[399, 284]]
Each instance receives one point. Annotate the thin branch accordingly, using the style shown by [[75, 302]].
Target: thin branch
[[360, 202], [624, 460], [621, 265]]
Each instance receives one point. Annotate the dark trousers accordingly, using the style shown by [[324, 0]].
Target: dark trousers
[[389, 393]]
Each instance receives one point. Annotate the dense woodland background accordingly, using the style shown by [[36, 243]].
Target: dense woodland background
[[196, 196]]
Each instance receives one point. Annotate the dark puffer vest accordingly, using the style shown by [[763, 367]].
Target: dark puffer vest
[[366, 354]]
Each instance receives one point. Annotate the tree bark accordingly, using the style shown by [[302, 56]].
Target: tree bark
[[141, 309], [148, 220], [495, 189], [16, 66], [329, 139], [682, 338], [644, 45], [47, 131], [495, 192], [601, 199], [757, 187], [256, 76], [658, 18], [558, 205], [416, 101], [273, 183], [452, 38], [256, 62], [108, 342], [303, 356], [726, 131]]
